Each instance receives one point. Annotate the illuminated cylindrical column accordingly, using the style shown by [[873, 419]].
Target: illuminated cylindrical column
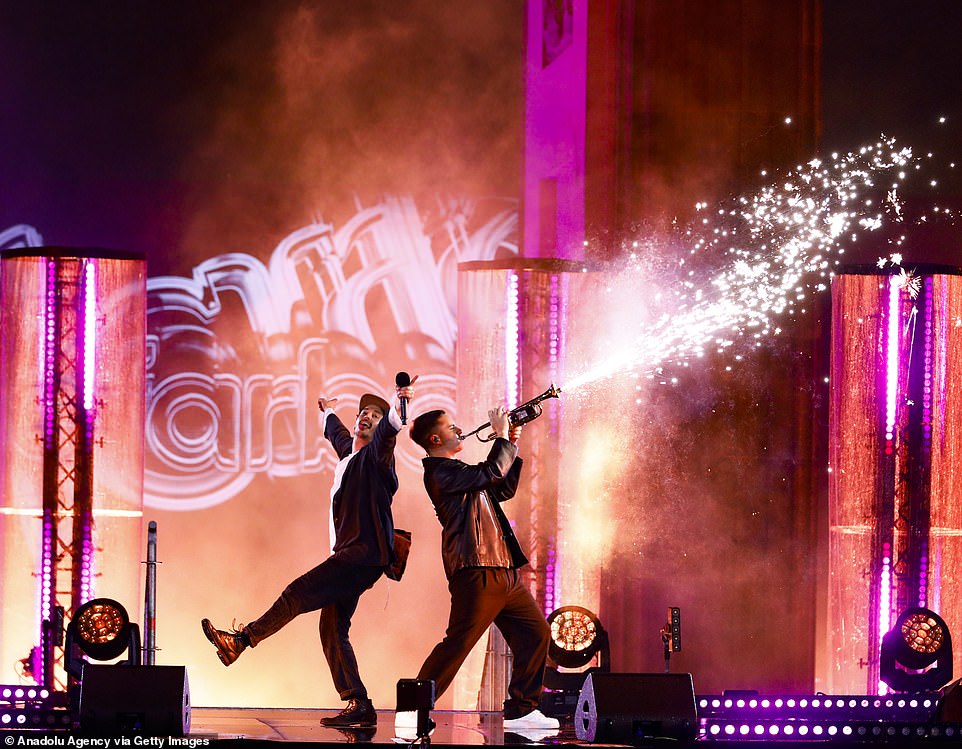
[[894, 503], [511, 330], [487, 374], [943, 565], [72, 398], [511, 322]]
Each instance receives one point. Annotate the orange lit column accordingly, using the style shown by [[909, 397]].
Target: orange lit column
[[72, 374]]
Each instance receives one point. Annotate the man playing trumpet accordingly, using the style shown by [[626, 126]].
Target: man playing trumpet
[[481, 559]]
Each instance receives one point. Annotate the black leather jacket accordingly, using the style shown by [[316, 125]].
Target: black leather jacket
[[467, 499], [364, 525]]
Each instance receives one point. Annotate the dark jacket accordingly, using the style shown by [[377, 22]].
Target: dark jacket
[[467, 499], [363, 522]]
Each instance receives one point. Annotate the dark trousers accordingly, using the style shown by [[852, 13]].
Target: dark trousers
[[481, 596], [334, 587]]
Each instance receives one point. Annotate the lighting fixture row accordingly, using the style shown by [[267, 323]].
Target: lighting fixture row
[[34, 717], [806, 707], [843, 730], [20, 693]]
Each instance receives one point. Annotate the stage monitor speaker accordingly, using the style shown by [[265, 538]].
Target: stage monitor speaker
[[146, 700], [630, 708]]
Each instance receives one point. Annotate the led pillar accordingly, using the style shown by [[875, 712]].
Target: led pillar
[[895, 446], [511, 328], [72, 366]]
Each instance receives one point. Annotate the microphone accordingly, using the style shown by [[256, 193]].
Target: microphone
[[403, 380]]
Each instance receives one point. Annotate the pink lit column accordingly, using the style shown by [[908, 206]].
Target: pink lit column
[[943, 350], [72, 374], [895, 522]]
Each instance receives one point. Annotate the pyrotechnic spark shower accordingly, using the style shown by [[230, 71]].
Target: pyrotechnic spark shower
[[759, 259]]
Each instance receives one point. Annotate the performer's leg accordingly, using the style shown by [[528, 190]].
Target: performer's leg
[[335, 626], [477, 595], [313, 590], [526, 631]]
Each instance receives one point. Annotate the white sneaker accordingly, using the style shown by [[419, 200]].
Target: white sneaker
[[406, 725], [534, 719], [531, 735]]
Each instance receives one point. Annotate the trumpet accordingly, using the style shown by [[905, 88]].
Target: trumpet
[[528, 411]]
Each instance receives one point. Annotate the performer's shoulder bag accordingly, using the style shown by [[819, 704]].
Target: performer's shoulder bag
[[402, 547]]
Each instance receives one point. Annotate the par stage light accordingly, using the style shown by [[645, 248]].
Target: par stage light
[[101, 630], [576, 637], [916, 655]]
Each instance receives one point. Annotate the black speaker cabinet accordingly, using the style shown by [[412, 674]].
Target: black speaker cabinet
[[629, 708], [147, 700]]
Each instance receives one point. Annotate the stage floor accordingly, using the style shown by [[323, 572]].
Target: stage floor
[[250, 727], [454, 728]]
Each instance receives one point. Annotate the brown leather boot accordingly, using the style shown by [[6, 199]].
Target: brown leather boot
[[229, 644]]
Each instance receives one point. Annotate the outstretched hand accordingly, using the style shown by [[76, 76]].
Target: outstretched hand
[[326, 403]]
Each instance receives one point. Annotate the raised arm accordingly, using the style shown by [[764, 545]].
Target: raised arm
[[455, 477], [337, 434], [384, 439], [505, 490]]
